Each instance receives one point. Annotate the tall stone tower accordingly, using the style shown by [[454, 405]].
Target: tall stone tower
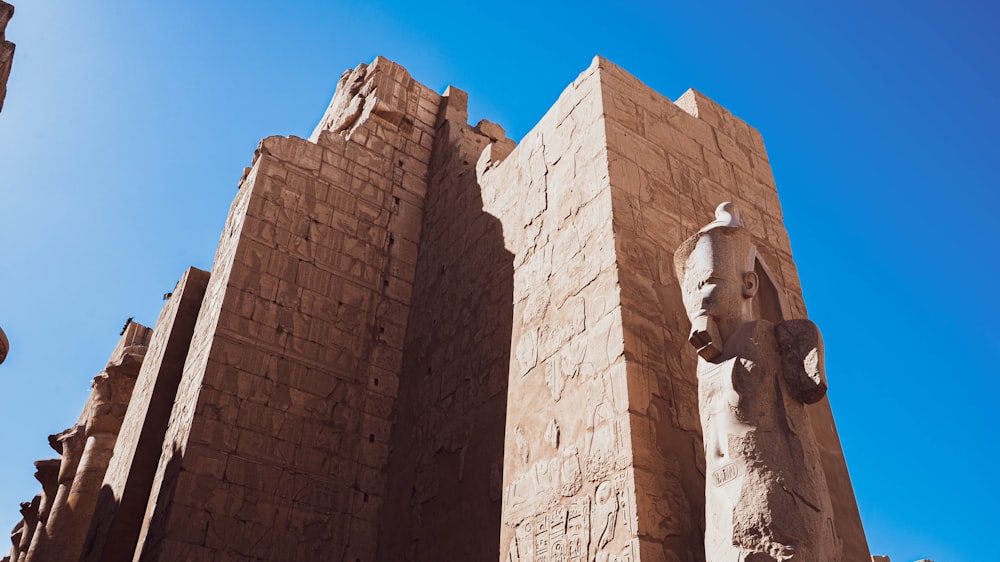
[[419, 341]]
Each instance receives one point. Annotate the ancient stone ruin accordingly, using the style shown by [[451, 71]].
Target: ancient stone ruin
[[6, 49], [765, 494], [419, 341], [6, 59]]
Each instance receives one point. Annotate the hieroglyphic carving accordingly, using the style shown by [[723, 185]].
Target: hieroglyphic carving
[[541, 527], [559, 534], [605, 514], [625, 491], [525, 537], [578, 529], [591, 526]]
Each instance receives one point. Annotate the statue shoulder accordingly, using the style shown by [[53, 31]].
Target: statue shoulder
[[802, 360]]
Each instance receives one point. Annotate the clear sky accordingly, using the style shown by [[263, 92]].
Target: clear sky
[[127, 126]]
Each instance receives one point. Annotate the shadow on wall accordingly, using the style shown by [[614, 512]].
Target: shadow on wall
[[152, 542], [445, 470]]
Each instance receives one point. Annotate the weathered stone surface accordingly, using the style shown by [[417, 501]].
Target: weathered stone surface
[[6, 60], [4, 345], [765, 492], [86, 451], [421, 340], [125, 491]]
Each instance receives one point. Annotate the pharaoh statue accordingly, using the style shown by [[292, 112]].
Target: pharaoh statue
[[766, 497]]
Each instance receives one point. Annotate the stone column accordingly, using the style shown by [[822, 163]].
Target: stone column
[[87, 450], [47, 473], [70, 444], [86, 488], [29, 511], [15, 539], [102, 431]]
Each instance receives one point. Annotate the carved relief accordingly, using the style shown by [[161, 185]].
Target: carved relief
[[625, 491], [521, 445], [527, 352], [628, 554], [605, 514], [571, 477], [547, 477], [552, 434], [525, 537], [559, 534], [603, 451], [578, 530], [554, 378]]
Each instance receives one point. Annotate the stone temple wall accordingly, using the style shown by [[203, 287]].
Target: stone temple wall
[[421, 342]]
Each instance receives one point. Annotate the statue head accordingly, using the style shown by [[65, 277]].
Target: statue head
[[716, 271]]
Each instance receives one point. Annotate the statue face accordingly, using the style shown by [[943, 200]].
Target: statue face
[[711, 286], [716, 291]]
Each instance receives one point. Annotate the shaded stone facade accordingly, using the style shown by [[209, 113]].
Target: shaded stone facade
[[419, 341]]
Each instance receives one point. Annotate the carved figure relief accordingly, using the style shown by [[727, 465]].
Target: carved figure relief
[[521, 444], [625, 490], [542, 484], [571, 477], [605, 514], [766, 495], [603, 451]]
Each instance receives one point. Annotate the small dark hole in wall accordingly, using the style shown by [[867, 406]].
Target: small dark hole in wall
[[365, 499], [371, 437], [376, 381]]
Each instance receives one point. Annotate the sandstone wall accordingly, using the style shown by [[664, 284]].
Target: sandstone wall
[[569, 491], [443, 499], [122, 504], [420, 342], [279, 437], [670, 166], [72, 484]]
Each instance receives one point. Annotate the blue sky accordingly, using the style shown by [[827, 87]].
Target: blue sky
[[127, 126]]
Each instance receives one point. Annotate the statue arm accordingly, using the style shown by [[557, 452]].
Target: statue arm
[[802, 360]]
